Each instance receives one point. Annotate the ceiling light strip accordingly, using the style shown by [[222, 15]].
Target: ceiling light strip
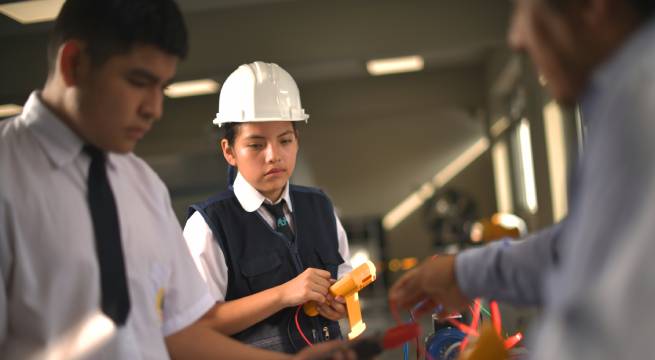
[[416, 199]]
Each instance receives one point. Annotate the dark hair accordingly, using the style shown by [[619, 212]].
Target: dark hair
[[231, 129], [644, 8], [113, 27]]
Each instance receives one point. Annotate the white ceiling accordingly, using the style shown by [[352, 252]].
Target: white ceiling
[[370, 141]]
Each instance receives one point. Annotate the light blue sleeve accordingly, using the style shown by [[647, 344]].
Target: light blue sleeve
[[506, 270]]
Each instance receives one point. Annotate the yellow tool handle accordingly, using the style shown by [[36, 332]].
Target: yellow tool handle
[[355, 320]]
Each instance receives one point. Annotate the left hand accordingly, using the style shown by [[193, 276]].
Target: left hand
[[333, 309], [434, 280]]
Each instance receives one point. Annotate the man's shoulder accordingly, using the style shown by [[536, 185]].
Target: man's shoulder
[[17, 147], [9, 131]]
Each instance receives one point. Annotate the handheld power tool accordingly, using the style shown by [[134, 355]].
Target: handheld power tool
[[348, 287]]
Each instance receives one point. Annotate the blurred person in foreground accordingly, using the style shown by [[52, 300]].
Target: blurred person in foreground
[[592, 272]]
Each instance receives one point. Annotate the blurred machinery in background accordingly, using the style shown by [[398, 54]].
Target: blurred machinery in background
[[367, 243], [449, 215], [453, 219], [496, 227]]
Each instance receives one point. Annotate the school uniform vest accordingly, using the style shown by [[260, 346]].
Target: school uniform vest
[[259, 258]]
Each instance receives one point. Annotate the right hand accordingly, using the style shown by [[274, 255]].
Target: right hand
[[434, 280], [311, 285]]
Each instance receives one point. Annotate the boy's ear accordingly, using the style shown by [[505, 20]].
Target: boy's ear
[[71, 60], [228, 152]]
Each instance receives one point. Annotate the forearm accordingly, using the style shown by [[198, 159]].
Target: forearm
[[234, 316], [509, 271], [199, 341]]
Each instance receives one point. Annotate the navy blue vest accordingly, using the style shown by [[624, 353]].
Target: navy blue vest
[[259, 258]]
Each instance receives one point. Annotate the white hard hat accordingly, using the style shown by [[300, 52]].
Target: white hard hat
[[259, 92]]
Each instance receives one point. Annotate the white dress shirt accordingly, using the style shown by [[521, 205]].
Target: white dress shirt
[[208, 255], [50, 283]]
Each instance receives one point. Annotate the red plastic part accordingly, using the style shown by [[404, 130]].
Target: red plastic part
[[398, 335]]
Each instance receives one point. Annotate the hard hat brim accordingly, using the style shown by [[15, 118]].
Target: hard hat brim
[[219, 121]]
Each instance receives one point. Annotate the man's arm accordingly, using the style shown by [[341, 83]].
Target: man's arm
[[507, 271], [511, 271]]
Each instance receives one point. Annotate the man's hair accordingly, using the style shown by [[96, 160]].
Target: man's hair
[[113, 27], [645, 8]]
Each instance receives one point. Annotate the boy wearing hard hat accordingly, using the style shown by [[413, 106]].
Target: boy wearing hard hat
[[265, 247]]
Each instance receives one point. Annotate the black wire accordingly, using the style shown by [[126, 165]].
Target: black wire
[[411, 316], [295, 349]]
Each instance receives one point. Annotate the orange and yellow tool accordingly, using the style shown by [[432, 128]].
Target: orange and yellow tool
[[348, 287]]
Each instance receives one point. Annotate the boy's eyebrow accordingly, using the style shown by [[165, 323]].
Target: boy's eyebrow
[[148, 76]]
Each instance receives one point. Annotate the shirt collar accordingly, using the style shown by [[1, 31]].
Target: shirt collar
[[251, 199], [58, 141]]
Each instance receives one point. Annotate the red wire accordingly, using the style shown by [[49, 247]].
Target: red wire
[[463, 328], [475, 312], [511, 341], [302, 334], [495, 318]]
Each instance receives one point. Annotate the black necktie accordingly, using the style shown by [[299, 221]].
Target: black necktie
[[281, 222], [115, 296]]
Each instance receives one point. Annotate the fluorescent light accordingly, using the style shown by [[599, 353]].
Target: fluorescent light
[[402, 211], [554, 127], [10, 110], [500, 157], [28, 12], [461, 162], [527, 167], [191, 88], [416, 199], [499, 126], [395, 65]]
